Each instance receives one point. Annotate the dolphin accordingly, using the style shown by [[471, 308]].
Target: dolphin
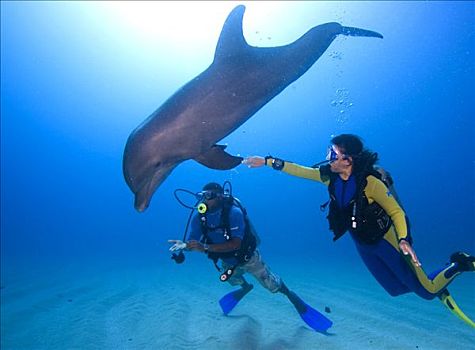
[[240, 80]]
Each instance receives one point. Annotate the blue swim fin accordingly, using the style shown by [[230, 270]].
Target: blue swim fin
[[311, 317], [230, 300]]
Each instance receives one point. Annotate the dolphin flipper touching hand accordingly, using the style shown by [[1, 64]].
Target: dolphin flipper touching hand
[[240, 81]]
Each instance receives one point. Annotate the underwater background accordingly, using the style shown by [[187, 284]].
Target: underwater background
[[78, 77]]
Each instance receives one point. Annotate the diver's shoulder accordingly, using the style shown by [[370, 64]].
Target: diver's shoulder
[[374, 181]]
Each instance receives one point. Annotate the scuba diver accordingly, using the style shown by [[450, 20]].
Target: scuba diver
[[363, 202], [222, 230]]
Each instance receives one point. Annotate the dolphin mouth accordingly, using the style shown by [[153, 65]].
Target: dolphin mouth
[[140, 204], [143, 196]]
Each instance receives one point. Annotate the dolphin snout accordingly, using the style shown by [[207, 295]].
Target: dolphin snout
[[143, 195], [141, 202], [141, 208]]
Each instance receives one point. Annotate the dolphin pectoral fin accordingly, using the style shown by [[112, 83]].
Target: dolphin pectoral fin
[[352, 31], [217, 158]]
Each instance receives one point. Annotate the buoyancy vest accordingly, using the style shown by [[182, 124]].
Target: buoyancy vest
[[367, 222], [249, 242]]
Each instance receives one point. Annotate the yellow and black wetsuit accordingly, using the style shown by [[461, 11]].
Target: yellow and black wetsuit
[[392, 269]]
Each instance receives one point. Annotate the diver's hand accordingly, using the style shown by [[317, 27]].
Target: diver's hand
[[406, 249], [195, 246], [254, 161], [177, 245]]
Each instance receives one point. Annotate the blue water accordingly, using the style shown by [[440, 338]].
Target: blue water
[[77, 78]]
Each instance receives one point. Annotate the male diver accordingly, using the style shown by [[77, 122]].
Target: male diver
[[222, 230], [362, 202]]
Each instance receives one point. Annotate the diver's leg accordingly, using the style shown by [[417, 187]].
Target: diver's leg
[[237, 278], [262, 273], [258, 268], [414, 277], [400, 267], [437, 281], [229, 301], [379, 269]]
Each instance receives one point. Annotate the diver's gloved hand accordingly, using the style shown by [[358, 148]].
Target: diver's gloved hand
[[254, 162], [177, 245]]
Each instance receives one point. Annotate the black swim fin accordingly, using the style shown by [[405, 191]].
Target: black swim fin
[[230, 300]]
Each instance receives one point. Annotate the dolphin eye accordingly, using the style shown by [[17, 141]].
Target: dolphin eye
[[158, 164]]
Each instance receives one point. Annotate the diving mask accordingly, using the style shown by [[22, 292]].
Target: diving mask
[[333, 155], [209, 195], [206, 196]]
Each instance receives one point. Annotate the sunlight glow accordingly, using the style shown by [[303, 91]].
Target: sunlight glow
[[178, 22], [163, 20]]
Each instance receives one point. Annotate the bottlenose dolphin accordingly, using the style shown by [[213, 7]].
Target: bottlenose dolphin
[[240, 81]]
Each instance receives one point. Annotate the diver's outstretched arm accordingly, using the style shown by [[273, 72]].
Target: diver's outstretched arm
[[254, 161]]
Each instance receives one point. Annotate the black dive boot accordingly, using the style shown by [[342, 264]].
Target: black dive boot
[[465, 262]]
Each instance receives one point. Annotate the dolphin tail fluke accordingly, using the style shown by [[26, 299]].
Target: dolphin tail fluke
[[217, 158], [352, 31]]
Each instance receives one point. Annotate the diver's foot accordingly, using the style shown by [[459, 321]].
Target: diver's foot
[[465, 262], [230, 300], [283, 289]]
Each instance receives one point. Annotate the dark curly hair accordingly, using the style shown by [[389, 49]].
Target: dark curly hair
[[352, 146]]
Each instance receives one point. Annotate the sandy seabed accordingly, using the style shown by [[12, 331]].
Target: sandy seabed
[[167, 306]]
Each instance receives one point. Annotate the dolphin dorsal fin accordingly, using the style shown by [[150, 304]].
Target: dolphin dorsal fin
[[231, 41]]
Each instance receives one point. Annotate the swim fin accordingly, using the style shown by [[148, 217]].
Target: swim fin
[[448, 301], [311, 317], [230, 300]]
